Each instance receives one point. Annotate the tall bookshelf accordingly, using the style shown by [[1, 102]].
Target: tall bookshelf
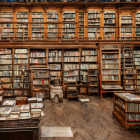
[[68, 31], [93, 25], [37, 26], [37, 56], [6, 29], [40, 77], [81, 25], [21, 73], [70, 67], [6, 71], [126, 27], [22, 29], [137, 66], [137, 21], [109, 22], [110, 65], [93, 86], [129, 71], [52, 16], [55, 64], [88, 58]]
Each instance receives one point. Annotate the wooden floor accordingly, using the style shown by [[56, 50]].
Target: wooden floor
[[89, 121]]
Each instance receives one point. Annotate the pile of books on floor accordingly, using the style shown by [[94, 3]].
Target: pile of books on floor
[[36, 109]]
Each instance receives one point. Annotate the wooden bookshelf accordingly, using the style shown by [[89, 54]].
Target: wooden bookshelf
[[109, 22], [37, 27], [129, 71], [137, 23], [72, 90], [40, 77], [7, 30], [126, 111], [81, 25], [37, 56], [70, 67], [110, 68], [55, 64], [137, 67], [93, 86], [93, 25], [68, 31], [126, 26], [21, 73], [22, 29], [6, 70], [52, 16]]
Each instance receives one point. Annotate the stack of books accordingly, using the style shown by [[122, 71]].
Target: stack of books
[[25, 112], [36, 109]]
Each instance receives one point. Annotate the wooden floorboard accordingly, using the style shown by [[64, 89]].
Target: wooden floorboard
[[89, 121]]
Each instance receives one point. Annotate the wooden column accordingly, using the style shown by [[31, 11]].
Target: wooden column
[[60, 20], [76, 24], [119, 29], [45, 25], [134, 24], [117, 24], [30, 25]]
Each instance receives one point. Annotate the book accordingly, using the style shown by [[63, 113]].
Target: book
[[9, 103], [36, 105], [5, 112], [24, 108]]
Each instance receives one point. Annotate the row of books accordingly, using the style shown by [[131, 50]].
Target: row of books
[[40, 82], [20, 67], [110, 61], [37, 54], [133, 107], [110, 55], [110, 77], [54, 59], [109, 21], [20, 85], [19, 79], [19, 73], [5, 73], [89, 59], [5, 51], [5, 61], [21, 51], [110, 71], [6, 85], [109, 16], [6, 79], [71, 59], [20, 61], [5, 56], [55, 67], [21, 93], [39, 60], [133, 117], [41, 74], [20, 55], [69, 25]]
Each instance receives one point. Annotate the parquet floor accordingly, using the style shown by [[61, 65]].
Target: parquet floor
[[89, 121]]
